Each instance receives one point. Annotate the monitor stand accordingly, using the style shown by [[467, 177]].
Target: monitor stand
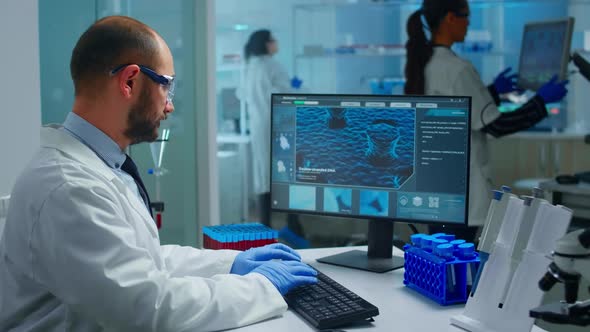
[[378, 258]]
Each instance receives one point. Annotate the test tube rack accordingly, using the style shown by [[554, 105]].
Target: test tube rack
[[238, 236], [442, 280]]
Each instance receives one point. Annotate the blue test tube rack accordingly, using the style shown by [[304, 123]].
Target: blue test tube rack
[[238, 236], [440, 268]]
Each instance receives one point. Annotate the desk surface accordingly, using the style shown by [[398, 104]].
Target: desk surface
[[400, 309]]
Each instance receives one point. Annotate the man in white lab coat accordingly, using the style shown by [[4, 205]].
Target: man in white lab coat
[[80, 250]]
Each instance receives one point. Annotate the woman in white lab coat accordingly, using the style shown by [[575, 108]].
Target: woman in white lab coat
[[432, 68], [263, 75]]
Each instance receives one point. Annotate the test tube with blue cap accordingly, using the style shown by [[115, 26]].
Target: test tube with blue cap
[[437, 242], [448, 237], [416, 239], [466, 251], [456, 244], [445, 251], [426, 243]]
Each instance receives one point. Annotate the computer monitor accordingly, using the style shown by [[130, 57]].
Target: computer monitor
[[378, 157], [545, 52]]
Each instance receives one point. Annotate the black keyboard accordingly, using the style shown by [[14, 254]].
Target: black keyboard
[[328, 304]]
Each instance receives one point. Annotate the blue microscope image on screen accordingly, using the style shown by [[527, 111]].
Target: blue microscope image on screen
[[338, 200], [374, 203], [302, 198], [371, 147]]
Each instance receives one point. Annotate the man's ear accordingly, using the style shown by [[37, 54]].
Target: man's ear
[[127, 80]]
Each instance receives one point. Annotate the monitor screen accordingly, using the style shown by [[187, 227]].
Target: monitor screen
[[376, 157], [544, 52]]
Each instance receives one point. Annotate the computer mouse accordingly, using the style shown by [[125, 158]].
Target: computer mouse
[[567, 179]]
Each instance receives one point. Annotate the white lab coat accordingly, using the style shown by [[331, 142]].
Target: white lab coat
[[80, 252], [447, 74], [262, 76]]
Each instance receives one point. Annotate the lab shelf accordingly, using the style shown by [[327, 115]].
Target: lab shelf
[[400, 53], [305, 56]]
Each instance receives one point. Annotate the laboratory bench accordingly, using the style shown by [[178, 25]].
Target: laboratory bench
[[525, 159], [400, 308]]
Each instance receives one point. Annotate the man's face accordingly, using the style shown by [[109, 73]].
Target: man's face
[[151, 106], [144, 118]]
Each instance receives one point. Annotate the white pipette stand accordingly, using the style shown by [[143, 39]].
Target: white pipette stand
[[507, 287]]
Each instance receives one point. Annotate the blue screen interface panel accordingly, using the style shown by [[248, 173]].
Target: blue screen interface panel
[[372, 157]]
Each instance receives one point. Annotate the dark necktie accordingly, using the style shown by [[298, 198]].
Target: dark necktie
[[130, 168]]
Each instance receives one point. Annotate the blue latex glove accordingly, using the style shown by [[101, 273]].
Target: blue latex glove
[[286, 275], [504, 83], [250, 259], [296, 82], [553, 90]]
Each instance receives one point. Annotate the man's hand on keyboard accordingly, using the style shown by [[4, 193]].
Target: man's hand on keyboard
[[250, 259], [286, 275]]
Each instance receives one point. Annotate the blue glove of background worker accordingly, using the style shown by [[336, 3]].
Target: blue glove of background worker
[[553, 90], [250, 259], [296, 82], [286, 275], [504, 83]]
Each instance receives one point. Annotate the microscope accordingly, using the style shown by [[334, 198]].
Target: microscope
[[571, 262], [571, 259]]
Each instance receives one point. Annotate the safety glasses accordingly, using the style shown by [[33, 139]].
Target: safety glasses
[[166, 81]]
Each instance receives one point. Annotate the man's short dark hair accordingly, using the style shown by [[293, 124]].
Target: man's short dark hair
[[109, 42]]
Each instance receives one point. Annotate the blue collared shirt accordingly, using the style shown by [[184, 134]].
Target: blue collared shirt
[[104, 147]]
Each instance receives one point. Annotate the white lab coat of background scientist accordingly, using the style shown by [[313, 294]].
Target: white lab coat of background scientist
[[447, 74], [262, 76]]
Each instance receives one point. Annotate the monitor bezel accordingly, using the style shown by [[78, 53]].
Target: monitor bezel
[[565, 56], [375, 218]]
